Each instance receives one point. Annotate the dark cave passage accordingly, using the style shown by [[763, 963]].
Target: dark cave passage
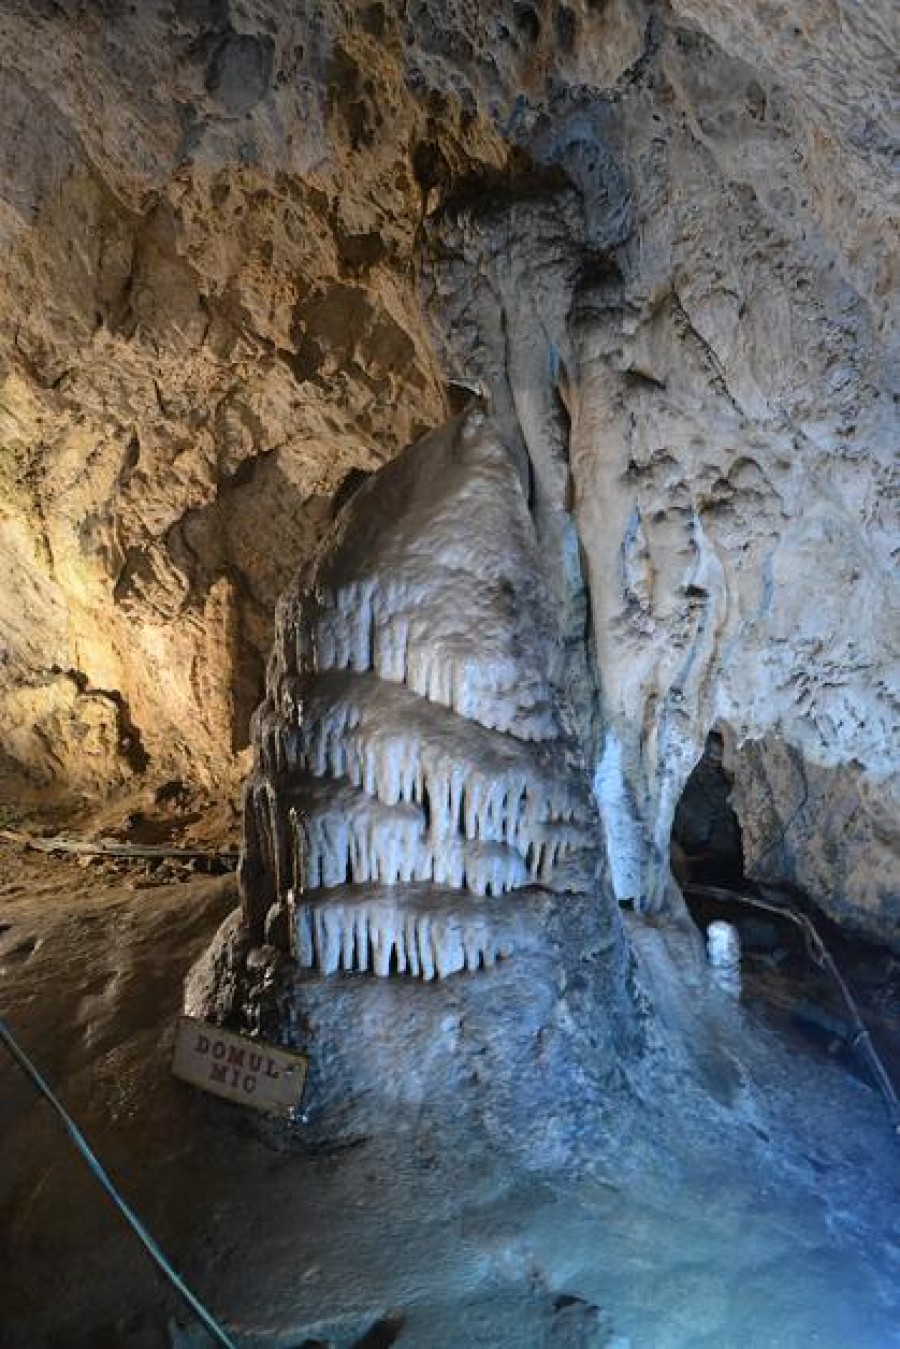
[[706, 835], [780, 976]]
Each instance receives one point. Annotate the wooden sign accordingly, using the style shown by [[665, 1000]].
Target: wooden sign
[[242, 1070]]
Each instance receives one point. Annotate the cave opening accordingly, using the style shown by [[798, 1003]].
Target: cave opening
[[782, 975], [774, 971], [706, 845]]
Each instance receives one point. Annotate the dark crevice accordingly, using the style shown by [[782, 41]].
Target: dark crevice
[[706, 837], [385, 1332], [129, 737]]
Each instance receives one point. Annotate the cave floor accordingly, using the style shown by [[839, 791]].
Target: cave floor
[[770, 1222]]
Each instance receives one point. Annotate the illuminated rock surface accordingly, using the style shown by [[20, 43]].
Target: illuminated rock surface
[[246, 247], [660, 236]]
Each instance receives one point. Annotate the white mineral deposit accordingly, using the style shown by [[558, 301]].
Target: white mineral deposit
[[723, 945], [413, 734]]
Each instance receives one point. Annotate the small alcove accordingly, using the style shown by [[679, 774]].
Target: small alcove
[[706, 834], [781, 975]]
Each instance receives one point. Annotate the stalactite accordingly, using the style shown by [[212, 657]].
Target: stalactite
[[411, 739]]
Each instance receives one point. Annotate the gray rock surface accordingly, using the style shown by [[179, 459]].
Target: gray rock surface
[[728, 1192]]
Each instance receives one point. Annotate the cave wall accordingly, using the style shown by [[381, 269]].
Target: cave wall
[[245, 246], [210, 318]]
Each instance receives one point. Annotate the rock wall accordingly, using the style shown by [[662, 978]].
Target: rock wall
[[246, 245], [210, 318]]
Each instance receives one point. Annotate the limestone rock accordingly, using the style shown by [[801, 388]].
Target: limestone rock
[[418, 809], [244, 247], [417, 782]]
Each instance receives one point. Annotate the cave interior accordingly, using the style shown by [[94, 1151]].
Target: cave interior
[[449, 637]]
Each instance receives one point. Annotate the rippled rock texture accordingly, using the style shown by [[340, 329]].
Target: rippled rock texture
[[245, 248]]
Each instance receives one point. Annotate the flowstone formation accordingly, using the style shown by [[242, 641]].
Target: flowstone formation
[[416, 784], [419, 807]]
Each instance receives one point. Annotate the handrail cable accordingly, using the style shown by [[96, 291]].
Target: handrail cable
[[84, 1148]]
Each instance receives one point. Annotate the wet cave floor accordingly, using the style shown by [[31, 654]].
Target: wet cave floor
[[758, 1210]]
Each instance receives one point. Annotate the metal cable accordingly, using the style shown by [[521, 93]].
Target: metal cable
[[82, 1146]]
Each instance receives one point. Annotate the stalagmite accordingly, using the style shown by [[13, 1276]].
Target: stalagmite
[[413, 733], [723, 944]]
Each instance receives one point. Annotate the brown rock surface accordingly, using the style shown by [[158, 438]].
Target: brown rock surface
[[244, 245]]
